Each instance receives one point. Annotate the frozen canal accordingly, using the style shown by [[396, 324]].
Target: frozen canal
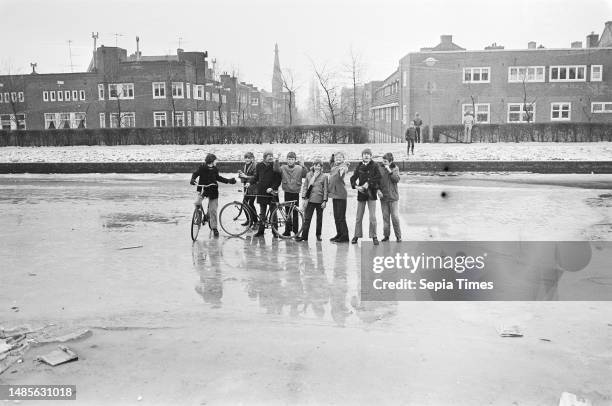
[[265, 321]]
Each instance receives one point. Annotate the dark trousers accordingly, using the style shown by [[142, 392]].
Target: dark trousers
[[418, 134], [250, 202], [292, 225], [410, 144], [310, 208], [262, 214], [342, 232]]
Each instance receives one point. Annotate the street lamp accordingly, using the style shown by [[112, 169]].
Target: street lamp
[[430, 62]]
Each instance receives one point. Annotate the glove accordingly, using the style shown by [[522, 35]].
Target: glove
[[232, 181], [192, 182]]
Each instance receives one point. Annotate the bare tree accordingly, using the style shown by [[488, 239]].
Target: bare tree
[[354, 68], [527, 107], [326, 80], [290, 86]]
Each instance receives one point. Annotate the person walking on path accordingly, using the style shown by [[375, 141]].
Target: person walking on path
[[267, 182], [207, 174], [337, 192], [417, 124], [315, 191], [365, 179], [468, 123], [246, 175], [389, 197], [292, 174], [411, 135]]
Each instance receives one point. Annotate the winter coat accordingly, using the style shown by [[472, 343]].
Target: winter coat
[[337, 187], [291, 176], [366, 173], [318, 193], [388, 182], [265, 177], [207, 175]]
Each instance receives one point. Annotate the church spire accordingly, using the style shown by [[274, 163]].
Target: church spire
[[277, 81]]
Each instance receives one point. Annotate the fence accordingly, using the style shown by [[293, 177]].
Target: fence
[[318, 134], [533, 132]]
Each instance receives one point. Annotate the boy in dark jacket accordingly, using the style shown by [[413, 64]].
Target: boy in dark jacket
[[208, 174], [366, 178], [267, 181], [246, 177]]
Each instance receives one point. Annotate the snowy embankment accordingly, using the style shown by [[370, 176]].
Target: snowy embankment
[[596, 151]]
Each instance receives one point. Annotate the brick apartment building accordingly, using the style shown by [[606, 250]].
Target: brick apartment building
[[118, 90], [536, 84]]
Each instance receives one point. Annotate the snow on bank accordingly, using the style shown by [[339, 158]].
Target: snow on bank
[[596, 151]]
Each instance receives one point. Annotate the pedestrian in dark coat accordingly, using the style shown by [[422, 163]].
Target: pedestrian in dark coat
[[365, 179], [267, 181]]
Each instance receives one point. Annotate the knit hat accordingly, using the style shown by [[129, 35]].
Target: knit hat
[[366, 151], [266, 153], [388, 156], [210, 158], [291, 155]]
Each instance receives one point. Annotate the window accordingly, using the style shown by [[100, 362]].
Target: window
[[224, 118], [405, 78], [198, 118], [75, 95], [159, 118], [127, 120], [159, 90], [198, 92], [215, 97], [215, 120], [188, 90], [6, 121], [121, 91], [20, 121], [223, 98], [482, 112], [521, 113], [60, 95], [255, 101], [208, 118], [52, 95], [179, 119], [20, 97], [177, 90], [50, 121], [7, 97], [45, 96], [64, 120], [560, 111], [476, 75], [81, 94], [79, 120], [601, 107], [189, 119], [596, 73], [568, 73], [100, 92], [67, 95], [516, 74], [102, 120]]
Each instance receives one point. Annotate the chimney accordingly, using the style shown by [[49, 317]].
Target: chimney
[[577, 44], [446, 39], [137, 48], [494, 46], [592, 40], [531, 45]]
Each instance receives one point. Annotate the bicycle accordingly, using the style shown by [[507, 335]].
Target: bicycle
[[236, 218], [200, 217]]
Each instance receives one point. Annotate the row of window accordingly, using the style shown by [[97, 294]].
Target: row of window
[[11, 97], [386, 114], [65, 120], [388, 90], [63, 95], [160, 119], [518, 74], [522, 113], [158, 90]]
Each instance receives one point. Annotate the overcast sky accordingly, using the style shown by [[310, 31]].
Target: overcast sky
[[241, 34]]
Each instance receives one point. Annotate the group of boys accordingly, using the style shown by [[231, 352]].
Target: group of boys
[[262, 180]]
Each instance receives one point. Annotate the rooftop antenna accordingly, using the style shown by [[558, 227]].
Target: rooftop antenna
[[214, 63], [117, 35], [137, 48], [94, 35], [70, 53], [33, 65], [180, 39]]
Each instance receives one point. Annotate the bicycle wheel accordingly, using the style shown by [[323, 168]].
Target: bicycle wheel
[[283, 218], [235, 219], [196, 223]]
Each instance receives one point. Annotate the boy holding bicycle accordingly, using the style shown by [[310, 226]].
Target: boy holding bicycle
[[208, 175]]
